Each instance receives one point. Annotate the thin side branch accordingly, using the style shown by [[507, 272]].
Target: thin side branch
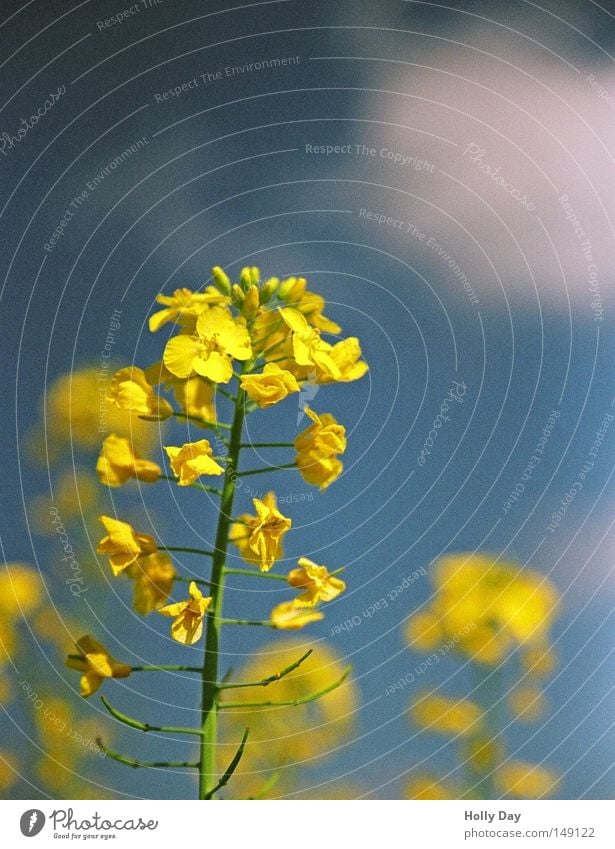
[[145, 726], [264, 682], [312, 697], [135, 764], [266, 469], [230, 768], [255, 573]]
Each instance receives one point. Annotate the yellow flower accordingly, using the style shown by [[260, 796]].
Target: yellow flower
[[424, 631], [318, 584], [153, 576], [288, 617], [294, 292], [96, 663], [269, 387], [118, 463], [197, 397], [525, 780], [184, 306], [308, 348], [129, 390], [527, 703], [192, 460], [346, 355], [123, 545], [447, 716], [219, 338], [316, 448], [187, 626], [259, 538], [427, 787], [21, 590]]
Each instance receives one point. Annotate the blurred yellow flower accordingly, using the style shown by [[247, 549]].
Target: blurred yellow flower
[[486, 607], [187, 625], [123, 545], [318, 584], [427, 787], [525, 780], [77, 411], [96, 664], [192, 460], [21, 590], [9, 770], [528, 703], [482, 753], [540, 661], [316, 448], [129, 390], [424, 631], [288, 617], [259, 537], [118, 463], [184, 306], [219, 339], [272, 385], [447, 716], [153, 577]]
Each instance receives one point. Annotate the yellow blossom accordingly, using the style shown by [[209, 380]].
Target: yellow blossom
[[528, 703], [187, 625], [259, 537], [192, 460], [96, 664], [153, 576], [123, 545], [427, 787], [318, 584], [129, 390], [184, 306], [346, 355], [525, 780], [316, 448], [482, 753], [269, 387], [308, 348], [118, 463], [219, 338], [447, 716], [197, 398], [288, 617], [540, 661]]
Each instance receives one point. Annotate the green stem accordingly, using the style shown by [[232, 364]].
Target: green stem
[[265, 469], [271, 679], [254, 573], [209, 698], [145, 726], [230, 768], [166, 668], [196, 484], [264, 622]]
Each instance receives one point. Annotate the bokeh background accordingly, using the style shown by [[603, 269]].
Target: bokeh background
[[229, 173]]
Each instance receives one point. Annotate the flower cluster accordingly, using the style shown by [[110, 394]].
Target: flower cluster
[[490, 613], [235, 347]]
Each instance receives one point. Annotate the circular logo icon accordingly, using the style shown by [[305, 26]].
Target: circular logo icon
[[32, 822]]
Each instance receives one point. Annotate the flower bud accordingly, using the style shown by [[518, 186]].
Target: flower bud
[[237, 295], [249, 277], [269, 290], [250, 304], [221, 280], [286, 288]]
